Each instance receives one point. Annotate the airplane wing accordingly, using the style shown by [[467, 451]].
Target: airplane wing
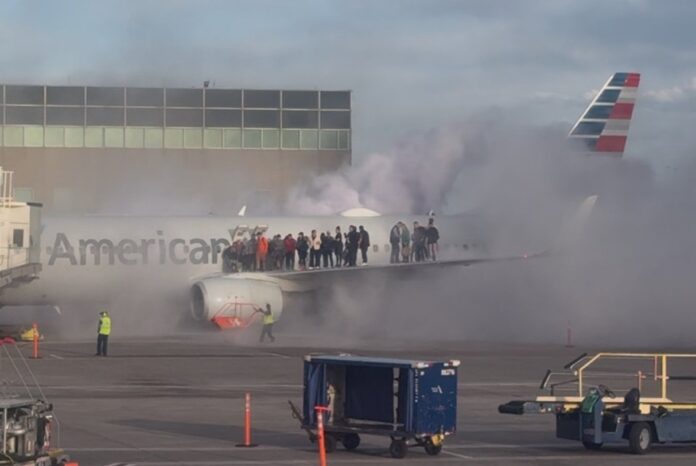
[[327, 275]]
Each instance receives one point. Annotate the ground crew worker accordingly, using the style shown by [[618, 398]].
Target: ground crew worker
[[103, 332], [267, 324]]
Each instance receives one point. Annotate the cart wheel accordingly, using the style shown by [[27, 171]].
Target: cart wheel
[[431, 448], [592, 445], [640, 438], [398, 448], [351, 441], [329, 443]]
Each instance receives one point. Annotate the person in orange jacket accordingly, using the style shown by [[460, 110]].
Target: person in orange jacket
[[261, 252]]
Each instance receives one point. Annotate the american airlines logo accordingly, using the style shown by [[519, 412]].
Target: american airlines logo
[[158, 250]]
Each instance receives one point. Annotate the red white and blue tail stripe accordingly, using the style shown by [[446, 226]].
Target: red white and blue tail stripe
[[603, 126]]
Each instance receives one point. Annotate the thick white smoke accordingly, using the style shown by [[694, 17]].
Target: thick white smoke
[[626, 282]]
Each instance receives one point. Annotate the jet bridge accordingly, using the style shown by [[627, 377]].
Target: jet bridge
[[20, 233]]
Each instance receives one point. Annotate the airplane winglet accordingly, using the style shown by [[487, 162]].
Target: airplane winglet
[[242, 211]]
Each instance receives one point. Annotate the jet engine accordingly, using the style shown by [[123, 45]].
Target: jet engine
[[234, 297]]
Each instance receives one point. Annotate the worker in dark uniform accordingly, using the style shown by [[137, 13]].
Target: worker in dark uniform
[[103, 332], [267, 324]]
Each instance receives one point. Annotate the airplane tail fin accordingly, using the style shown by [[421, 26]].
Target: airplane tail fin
[[603, 126]]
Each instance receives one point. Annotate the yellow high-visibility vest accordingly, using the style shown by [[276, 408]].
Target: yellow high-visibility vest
[[105, 325], [268, 319]]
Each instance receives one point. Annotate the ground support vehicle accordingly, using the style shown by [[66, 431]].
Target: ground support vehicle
[[29, 429], [594, 415], [412, 402]]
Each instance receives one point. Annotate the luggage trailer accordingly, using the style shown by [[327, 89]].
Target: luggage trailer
[[412, 402], [593, 414]]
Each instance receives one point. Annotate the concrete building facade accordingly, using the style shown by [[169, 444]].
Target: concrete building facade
[[85, 150]]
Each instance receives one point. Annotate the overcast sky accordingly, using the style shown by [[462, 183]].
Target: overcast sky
[[411, 65]]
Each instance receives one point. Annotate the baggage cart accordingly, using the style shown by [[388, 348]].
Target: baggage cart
[[412, 402]]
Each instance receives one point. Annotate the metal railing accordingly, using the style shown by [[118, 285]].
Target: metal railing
[[581, 373]]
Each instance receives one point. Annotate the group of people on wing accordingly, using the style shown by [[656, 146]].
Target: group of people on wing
[[313, 251], [418, 246]]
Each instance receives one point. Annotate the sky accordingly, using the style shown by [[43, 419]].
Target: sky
[[412, 65]]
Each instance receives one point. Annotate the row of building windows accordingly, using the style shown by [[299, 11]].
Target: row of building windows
[[161, 97], [174, 138], [212, 118]]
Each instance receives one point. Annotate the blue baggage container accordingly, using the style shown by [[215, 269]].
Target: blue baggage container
[[413, 402]]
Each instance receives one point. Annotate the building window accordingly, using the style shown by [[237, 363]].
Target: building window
[[184, 97], [105, 96], [261, 119], [24, 115], [64, 95], [335, 99], [261, 99], [144, 97], [18, 238], [300, 99], [223, 118], [184, 117], [65, 116], [308, 139], [24, 95], [300, 119], [98, 116], [335, 120], [252, 138], [225, 98]]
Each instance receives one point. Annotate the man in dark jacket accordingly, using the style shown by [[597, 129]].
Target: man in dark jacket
[[395, 243], [352, 240], [418, 238], [289, 245], [302, 248], [338, 246], [364, 243], [432, 236]]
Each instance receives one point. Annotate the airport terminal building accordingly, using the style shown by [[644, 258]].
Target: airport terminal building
[[82, 149]]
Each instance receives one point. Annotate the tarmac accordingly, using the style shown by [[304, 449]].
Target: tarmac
[[179, 400]]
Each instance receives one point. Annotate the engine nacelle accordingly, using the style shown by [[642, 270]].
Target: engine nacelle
[[237, 295]]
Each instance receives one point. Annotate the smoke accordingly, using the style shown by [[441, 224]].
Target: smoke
[[416, 176], [627, 281]]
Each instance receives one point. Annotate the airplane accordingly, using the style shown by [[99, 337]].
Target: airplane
[[97, 259]]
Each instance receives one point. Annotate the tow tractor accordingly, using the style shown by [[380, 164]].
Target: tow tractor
[[590, 412]]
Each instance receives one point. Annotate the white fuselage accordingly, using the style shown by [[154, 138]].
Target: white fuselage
[[98, 259]]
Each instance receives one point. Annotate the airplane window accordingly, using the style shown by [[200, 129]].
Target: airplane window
[[466, 247], [386, 248], [375, 248]]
